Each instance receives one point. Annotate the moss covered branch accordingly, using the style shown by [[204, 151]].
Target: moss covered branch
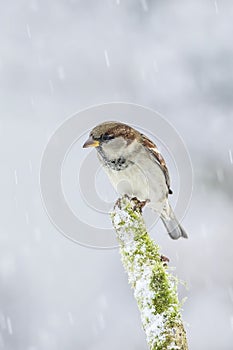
[[155, 288]]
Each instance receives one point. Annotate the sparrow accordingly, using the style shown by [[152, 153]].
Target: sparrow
[[135, 168]]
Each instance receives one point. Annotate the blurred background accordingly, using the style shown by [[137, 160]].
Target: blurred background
[[61, 56]]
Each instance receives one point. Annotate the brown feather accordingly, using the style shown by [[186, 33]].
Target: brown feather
[[148, 144], [116, 129], [130, 134]]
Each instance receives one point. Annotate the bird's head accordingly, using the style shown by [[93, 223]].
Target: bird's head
[[112, 138]]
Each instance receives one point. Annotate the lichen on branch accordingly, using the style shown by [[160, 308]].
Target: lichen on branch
[[155, 287]]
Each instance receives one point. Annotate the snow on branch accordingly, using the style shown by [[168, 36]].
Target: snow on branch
[[155, 288]]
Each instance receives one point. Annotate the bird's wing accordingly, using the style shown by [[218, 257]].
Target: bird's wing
[[152, 148]]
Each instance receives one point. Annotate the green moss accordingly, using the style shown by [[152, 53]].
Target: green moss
[[133, 213], [121, 223], [144, 253], [164, 296]]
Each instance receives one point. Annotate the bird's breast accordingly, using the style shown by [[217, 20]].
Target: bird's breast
[[136, 174], [117, 164]]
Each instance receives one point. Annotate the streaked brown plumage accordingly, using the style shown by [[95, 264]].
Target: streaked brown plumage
[[136, 168]]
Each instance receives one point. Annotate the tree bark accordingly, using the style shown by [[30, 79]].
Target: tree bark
[[155, 287]]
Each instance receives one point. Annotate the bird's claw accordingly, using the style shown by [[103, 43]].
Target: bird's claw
[[139, 204], [164, 259]]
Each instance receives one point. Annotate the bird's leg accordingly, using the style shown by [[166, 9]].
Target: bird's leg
[[164, 259], [119, 201], [139, 204]]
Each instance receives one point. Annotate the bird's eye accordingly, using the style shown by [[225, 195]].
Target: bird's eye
[[107, 137]]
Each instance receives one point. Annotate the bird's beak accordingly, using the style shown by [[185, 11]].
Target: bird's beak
[[91, 143]]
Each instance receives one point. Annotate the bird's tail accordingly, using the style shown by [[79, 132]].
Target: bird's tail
[[174, 229]]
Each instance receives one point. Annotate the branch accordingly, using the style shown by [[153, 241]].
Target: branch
[[155, 288]]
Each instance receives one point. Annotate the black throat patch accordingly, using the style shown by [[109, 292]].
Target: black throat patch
[[117, 164]]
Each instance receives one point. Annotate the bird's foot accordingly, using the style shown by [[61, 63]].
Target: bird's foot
[[139, 204], [119, 201], [164, 259]]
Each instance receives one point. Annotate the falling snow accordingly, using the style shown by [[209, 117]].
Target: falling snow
[[144, 5], [9, 325], [16, 177], [106, 58], [230, 156], [216, 6]]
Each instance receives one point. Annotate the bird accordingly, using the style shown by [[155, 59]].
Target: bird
[[135, 168]]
